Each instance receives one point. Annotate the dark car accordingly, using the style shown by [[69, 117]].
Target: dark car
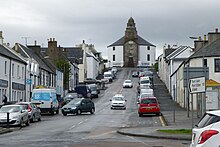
[[34, 112], [84, 90], [69, 97], [78, 106], [135, 74], [94, 90]]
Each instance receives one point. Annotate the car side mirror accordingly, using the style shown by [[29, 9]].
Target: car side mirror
[[110, 100], [125, 100], [138, 102]]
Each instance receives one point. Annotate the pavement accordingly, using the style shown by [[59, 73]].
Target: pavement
[[173, 117]]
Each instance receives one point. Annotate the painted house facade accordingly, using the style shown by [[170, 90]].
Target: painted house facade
[[12, 75], [131, 50]]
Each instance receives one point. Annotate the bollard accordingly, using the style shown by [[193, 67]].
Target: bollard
[[7, 119]]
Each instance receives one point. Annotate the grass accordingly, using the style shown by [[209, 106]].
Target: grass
[[177, 131]]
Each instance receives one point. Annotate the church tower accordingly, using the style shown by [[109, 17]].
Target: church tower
[[130, 45]]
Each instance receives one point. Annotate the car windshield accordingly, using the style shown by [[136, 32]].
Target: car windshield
[[118, 98], [144, 81], [93, 88], [107, 75], [74, 95], [10, 109], [127, 81], [208, 119], [148, 101], [75, 101], [146, 95]]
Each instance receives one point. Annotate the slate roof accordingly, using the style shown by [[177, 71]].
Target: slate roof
[[39, 58], [211, 50], [169, 51], [75, 52], [5, 52], [140, 41]]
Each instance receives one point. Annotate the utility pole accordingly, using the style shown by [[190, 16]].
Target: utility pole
[[26, 39]]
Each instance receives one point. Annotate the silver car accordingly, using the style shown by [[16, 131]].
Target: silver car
[[18, 115], [34, 112]]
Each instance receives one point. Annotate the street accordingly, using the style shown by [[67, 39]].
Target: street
[[89, 130]]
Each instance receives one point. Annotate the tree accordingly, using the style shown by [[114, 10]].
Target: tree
[[65, 67]]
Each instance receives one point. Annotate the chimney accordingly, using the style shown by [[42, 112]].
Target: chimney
[[53, 50], [198, 44], [1, 38], [35, 42], [213, 36]]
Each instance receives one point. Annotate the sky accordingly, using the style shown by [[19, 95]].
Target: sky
[[102, 22]]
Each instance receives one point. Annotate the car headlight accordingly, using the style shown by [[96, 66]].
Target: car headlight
[[73, 108]]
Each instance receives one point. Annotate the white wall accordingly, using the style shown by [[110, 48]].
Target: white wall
[[118, 52], [142, 54], [3, 76]]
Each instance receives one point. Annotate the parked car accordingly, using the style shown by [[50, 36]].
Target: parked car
[[207, 131], [118, 101], [134, 74], [18, 115], [144, 95], [68, 97], [78, 106], [94, 90], [34, 112], [90, 81], [84, 90], [127, 84], [148, 105]]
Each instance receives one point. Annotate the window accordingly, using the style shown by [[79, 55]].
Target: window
[[5, 67], [205, 62], [113, 48], [217, 65], [113, 58], [148, 47], [18, 70], [13, 69], [22, 73], [148, 57]]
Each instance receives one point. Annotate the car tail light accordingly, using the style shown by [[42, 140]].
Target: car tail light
[[29, 108], [206, 135]]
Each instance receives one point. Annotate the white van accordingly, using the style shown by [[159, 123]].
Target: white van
[[109, 76], [145, 82], [46, 99]]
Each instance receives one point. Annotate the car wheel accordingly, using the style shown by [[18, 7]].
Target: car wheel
[[28, 122], [57, 112], [32, 119], [140, 115], [158, 114], [111, 107], [39, 119], [125, 108], [64, 114], [92, 111], [21, 123], [78, 112]]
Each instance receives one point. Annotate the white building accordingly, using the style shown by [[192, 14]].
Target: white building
[[131, 50]]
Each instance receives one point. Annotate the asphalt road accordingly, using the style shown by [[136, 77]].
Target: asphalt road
[[89, 130]]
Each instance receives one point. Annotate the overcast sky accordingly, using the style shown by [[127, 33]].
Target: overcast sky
[[102, 22]]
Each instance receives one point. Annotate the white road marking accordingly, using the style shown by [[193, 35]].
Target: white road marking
[[106, 133], [137, 140]]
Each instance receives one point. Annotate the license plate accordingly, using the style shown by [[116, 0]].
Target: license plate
[[148, 108], [66, 110]]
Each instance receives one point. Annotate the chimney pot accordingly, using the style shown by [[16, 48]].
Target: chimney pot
[[53, 39], [216, 30], [35, 42], [204, 37], [83, 41], [200, 38]]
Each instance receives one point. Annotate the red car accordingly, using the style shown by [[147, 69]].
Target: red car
[[149, 105]]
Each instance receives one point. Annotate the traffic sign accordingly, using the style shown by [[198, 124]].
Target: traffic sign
[[197, 85]]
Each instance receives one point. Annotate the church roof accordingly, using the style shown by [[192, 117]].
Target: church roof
[[140, 41]]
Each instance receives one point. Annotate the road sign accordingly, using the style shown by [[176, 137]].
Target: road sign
[[197, 85], [29, 81]]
